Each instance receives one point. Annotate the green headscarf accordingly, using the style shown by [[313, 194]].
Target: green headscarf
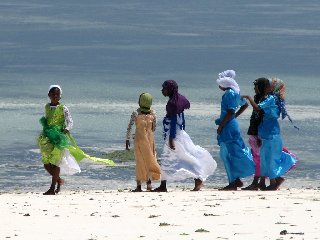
[[145, 102]]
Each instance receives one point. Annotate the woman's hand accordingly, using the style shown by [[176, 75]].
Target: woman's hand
[[245, 96], [171, 144], [259, 142]]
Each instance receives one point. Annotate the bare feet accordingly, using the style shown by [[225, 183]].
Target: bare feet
[[251, 187], [271, 187], [149, 186], [254, 186], [275, 185], [49, 192], [238, 182], [231, 187], [262, 186], [60, 182], [137, 190], [198, 184], [279, 181], [160, 189]]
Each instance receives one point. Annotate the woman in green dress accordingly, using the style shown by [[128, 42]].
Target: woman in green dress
[[59, 151]]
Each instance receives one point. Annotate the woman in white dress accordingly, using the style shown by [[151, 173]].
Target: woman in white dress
[[181, 159]]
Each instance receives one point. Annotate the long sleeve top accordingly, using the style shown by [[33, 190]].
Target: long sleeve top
[[133, 119], [172, 123]]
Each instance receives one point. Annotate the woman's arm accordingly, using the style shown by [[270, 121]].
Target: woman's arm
[[253, 104], [241, 110], [173, 131], [68, 119], [131, 122], [154, 123], [225, 120]]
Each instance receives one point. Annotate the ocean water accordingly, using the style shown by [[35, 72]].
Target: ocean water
[[105, 53]]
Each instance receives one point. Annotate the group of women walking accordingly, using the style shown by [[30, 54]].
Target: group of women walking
[[181, 158]]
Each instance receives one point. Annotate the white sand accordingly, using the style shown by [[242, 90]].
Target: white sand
[[174, 215]]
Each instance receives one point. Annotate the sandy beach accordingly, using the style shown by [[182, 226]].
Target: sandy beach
[[177, 214]]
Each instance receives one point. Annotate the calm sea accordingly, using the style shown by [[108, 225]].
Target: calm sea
[[105, 53]]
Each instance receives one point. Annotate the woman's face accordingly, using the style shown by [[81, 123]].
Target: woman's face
[[165, 92], [54, 96], [256, 89], [268, 89], [222, 88]]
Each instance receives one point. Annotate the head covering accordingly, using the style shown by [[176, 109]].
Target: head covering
[[278, 87], [226, 80], [145, 102], [55, 86], [177, 102], [228, 73]]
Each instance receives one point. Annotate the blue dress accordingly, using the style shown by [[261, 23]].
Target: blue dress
[[237, 158], [273, 160]]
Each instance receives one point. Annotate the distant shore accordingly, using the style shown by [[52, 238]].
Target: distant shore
[[207, 214]]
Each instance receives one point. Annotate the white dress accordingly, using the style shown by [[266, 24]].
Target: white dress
[[187, 160]]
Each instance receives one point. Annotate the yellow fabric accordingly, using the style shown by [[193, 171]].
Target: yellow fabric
[[55, 116], [51, 153], [147, 166]]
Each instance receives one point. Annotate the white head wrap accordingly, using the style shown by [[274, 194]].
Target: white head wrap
[[226, 80], [55, 86]]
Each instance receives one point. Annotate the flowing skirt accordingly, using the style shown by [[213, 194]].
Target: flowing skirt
[[186, 161], [147, 166], [237, 160], [66, 157], [236, 157], [68, 164], [275, 160]]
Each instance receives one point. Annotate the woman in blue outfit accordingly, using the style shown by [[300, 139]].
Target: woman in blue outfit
[[235, 155], [274, 161]]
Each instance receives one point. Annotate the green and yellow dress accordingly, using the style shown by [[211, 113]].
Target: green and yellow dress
[[58, 148]]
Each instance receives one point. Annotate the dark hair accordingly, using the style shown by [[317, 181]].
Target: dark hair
[[261, 84]]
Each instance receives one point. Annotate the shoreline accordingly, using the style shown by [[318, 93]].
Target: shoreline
[[177, 214]]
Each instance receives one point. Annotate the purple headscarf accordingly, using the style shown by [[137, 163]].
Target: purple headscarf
[[177, 103]]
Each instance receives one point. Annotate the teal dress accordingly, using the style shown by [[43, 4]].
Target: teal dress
[[237, 158], [274, 161]]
